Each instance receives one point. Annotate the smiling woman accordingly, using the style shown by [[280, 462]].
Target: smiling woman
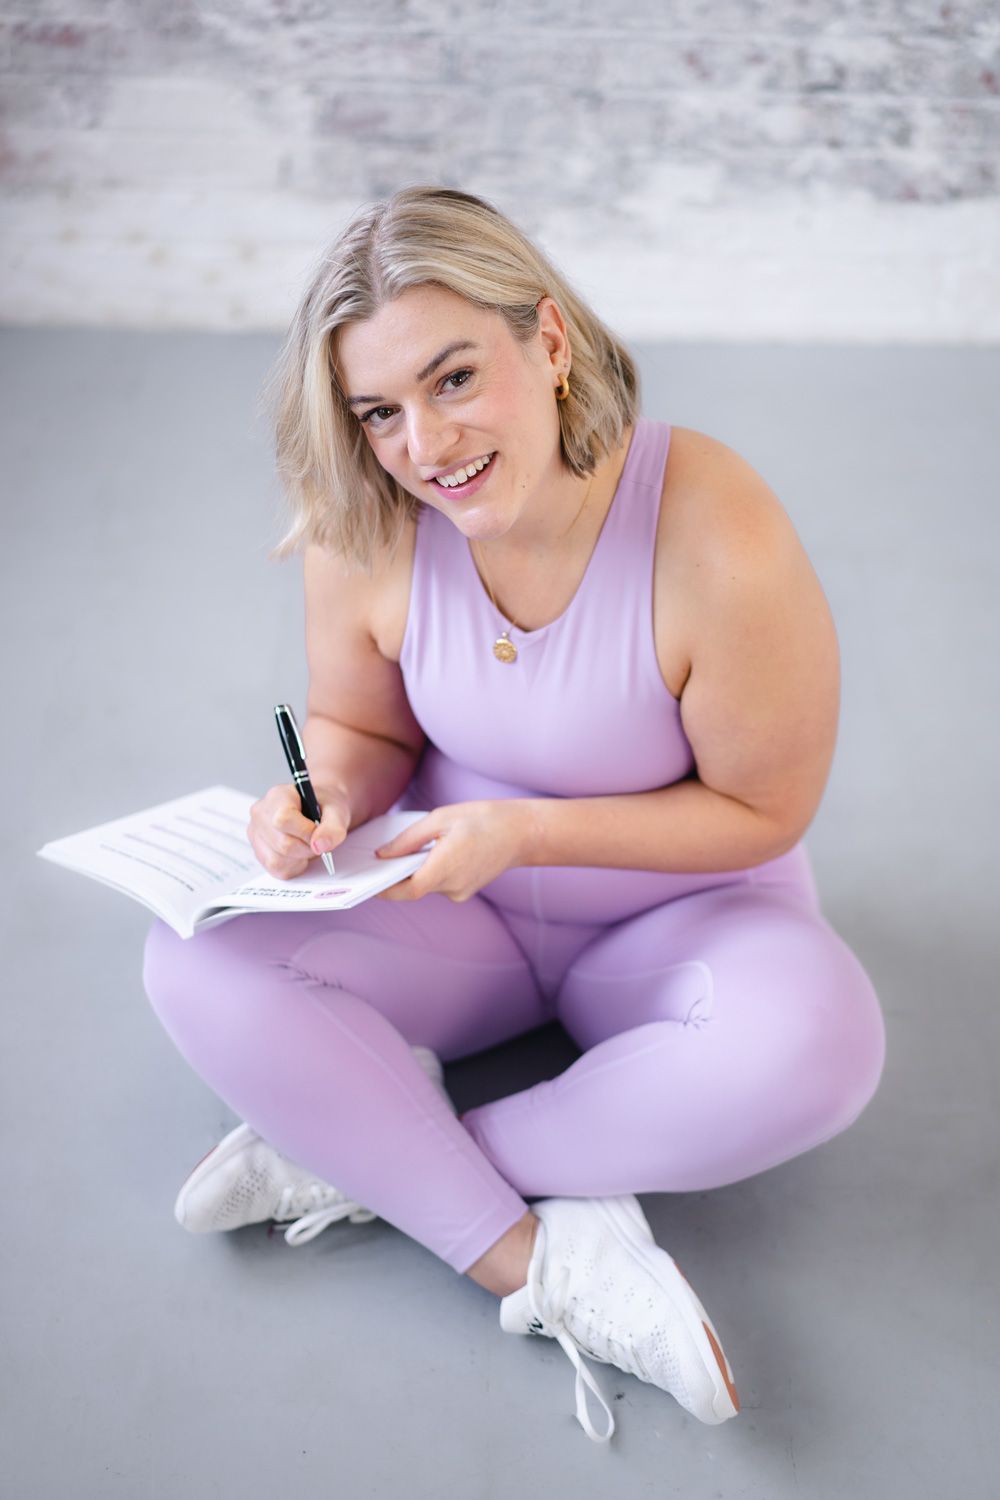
[[433, 305], [489, 428], [589, 647]]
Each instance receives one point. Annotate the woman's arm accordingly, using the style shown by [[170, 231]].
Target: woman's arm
[[360, 733], [683, 828], [760, 705]]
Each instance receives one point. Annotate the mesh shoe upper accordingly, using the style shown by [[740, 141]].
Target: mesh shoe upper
[[600, 1285], [245, 1181]]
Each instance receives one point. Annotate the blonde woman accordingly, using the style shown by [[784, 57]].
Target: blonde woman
[[591, 646]]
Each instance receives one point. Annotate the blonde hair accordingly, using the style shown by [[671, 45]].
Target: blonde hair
[[340, 495]]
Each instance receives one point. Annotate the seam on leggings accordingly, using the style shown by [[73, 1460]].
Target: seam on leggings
[[515, 937], [685, 963], [498, 965]]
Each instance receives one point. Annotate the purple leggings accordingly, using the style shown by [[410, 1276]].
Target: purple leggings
[[723, 1032]]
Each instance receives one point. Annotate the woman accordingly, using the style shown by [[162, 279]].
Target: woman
[[593, 648]]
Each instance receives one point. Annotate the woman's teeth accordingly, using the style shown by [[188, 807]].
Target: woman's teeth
[[451, 481]]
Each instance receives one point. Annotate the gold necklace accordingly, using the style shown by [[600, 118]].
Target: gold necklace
[[503, 647]]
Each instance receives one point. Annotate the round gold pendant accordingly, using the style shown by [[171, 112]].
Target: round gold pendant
[[504, 648]]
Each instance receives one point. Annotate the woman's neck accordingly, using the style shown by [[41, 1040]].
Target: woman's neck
[[560, 529]]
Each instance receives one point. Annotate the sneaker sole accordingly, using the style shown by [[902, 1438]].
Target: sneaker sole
[[620, 1214]]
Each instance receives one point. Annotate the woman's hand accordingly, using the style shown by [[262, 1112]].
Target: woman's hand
[[475, 842], [284, 839]]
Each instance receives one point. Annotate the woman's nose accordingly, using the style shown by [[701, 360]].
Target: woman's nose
[[430, 439]]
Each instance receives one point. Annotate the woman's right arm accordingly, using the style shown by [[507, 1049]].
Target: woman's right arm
[[360, 734], [361, 740]]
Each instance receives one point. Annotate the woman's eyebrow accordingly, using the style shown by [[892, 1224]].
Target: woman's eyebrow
[[428, 369]]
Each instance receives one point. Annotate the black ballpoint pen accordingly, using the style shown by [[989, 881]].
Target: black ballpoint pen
[[296, 756]]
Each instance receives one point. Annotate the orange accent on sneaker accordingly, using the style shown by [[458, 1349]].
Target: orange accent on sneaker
[[722, 1364]]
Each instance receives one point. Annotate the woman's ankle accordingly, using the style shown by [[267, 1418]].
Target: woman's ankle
[[504, 1267]]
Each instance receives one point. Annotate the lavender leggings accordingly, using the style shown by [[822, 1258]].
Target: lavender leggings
[[723, 1032]]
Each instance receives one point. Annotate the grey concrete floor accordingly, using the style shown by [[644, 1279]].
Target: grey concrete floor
[[855, 1287]]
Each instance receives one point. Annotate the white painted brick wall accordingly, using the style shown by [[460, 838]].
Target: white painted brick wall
[[737, 170]]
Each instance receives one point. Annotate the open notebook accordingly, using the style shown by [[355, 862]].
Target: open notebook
[[191, 863]]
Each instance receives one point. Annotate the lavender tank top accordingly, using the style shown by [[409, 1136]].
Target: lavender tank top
[[582, 712]]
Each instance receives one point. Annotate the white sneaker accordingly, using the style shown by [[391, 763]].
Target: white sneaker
[[599, 1284], [243, 1180]]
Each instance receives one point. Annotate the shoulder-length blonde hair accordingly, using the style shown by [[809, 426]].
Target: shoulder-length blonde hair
[[340, 495]]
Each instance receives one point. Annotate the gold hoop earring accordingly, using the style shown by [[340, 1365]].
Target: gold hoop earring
[[562, 389]]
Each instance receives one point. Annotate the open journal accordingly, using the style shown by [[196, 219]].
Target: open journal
[[191, 863]]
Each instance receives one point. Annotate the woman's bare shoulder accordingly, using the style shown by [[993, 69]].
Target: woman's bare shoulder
[[373, 602], [714, 496], [716, 511]]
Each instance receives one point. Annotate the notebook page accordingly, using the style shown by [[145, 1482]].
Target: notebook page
[[176, 857]]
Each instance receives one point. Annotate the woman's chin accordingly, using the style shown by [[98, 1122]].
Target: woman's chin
[[479, 521], [483, 526]]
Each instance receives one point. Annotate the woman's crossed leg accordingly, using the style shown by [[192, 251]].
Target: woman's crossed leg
[[303, 1025], [723, 1033]]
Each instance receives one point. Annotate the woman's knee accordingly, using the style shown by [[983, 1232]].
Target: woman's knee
[[820, 1042], [851, 1049], [182, 974], [806, 988], [162, 953], [806, 1073]]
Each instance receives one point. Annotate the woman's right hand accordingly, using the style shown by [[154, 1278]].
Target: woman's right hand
[[283, 838]]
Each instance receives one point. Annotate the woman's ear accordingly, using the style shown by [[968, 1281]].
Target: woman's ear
[[553, 333]]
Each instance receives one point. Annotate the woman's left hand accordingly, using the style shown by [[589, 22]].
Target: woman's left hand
[[475, 842]]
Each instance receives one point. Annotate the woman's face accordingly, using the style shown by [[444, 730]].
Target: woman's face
[[426, 416]]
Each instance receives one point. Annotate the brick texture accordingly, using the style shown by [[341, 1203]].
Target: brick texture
[[738, 169]]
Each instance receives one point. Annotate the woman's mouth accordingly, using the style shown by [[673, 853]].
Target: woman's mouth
[[469, 486]]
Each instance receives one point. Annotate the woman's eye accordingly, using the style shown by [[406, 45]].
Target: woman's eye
[[366, 419], [456, 375], [369, 414]]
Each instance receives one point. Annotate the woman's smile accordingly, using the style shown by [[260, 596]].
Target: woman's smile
[[470, 486]]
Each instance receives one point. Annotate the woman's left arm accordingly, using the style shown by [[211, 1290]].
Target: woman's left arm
[[760, 708]]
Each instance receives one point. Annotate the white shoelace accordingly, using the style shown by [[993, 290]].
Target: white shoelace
[[551, 1312], [328, 1205]]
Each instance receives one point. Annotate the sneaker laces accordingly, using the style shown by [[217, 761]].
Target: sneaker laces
[[314, 1205], [550, 1310]]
